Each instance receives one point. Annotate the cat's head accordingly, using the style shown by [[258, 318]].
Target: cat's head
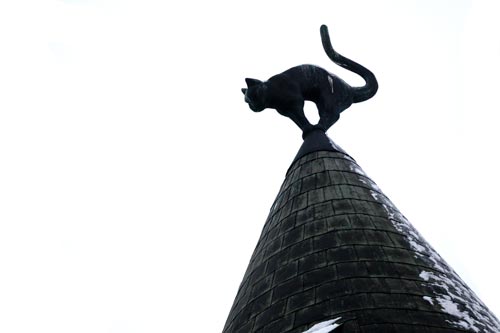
[[255, 94]]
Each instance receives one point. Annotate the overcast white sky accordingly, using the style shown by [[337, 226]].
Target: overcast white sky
[[134, 180]]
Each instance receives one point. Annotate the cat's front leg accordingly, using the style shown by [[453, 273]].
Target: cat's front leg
[[298, 117]]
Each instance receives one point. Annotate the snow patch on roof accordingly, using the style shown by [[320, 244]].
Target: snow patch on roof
[[368, 182], [428, 299], [363, 181], [452, 308], [457, 301], [356, 169], [416, 246], [425, 275], [324, 327], [455, 298]]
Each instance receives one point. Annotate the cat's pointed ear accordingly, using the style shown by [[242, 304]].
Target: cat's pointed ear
[[252, 82], [244, 90]]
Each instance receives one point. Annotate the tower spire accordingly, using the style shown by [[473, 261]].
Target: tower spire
[[335, 252]]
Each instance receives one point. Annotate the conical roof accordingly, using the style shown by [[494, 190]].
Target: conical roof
[[336, 255]]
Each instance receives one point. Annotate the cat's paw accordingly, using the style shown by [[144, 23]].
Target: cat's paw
[[319, 127], [306, 130]]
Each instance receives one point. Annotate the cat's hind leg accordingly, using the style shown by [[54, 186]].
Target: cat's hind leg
[[327, 116]]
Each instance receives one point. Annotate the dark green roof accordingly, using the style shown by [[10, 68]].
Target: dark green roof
[[334, 246]]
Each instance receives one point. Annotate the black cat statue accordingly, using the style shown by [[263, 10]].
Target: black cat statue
[[286, 92]]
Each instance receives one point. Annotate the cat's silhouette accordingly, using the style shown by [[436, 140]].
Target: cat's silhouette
[[286, 92]]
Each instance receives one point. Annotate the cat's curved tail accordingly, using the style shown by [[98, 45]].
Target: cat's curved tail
[[360, 94]]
